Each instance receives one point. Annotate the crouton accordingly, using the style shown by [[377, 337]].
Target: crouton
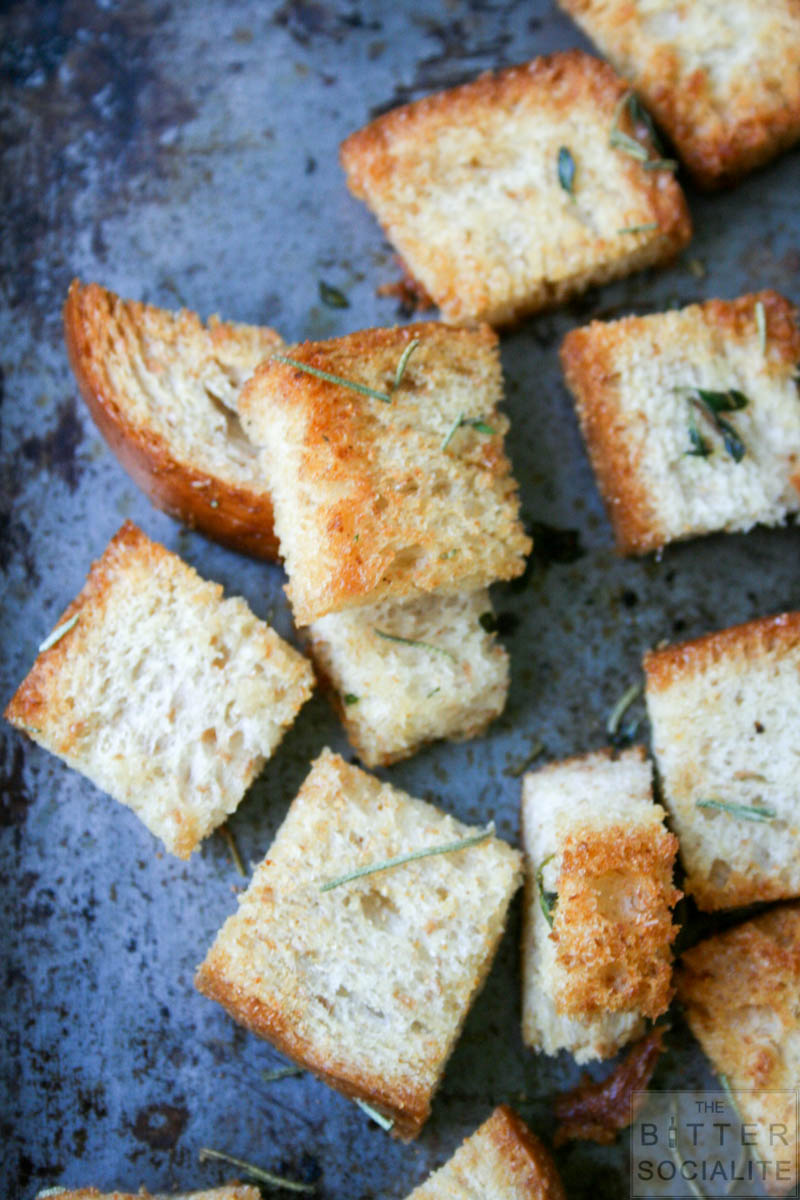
[[597, 930], [504, 196], [232, 1191], [722, 79], [366, 984], [502, 1159], [165, 695], [740, 990], [406, 672], [161, 388], [691, 418], [723, 711], [397, 496]]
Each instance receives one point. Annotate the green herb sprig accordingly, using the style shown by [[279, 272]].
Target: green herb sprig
[[712, 404], [385, 1122], [619, 140], [352, 384], [566, 171], [267, 1177], [547, 900], [473, 422], [332, 296], [426, 852], [404, 641], [58, 633], [746, 811], [350, 698]]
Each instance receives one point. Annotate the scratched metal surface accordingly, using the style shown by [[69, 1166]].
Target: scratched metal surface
[[185, 153]]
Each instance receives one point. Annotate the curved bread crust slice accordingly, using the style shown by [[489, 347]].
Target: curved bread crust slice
[[502, 1160], [468, 186], [366, 984], [163, 693], [161, 387], [722, 79]]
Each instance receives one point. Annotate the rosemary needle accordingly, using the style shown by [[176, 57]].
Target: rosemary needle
[[276, 1181], [385, 1122], [58, 633], [426, 852], [361, 388], [404, 641]]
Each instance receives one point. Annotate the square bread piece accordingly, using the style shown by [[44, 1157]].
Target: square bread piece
[[161, 387], [165, 695], [406, 672], [504, 196], [502, 1160], [723, 79], [368, 984], [724, 716], [233, 1191], [741, 995], [667, 464], [598, 865], [395, 497]]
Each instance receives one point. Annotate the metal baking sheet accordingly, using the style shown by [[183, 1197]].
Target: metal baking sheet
[[187, 154]]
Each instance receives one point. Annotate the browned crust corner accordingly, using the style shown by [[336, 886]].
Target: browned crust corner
[[517, 1145], [587, 360], [775, 635], [408, 1108], [238, 517]]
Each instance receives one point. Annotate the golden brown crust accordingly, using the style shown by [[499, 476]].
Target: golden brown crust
[[613, 925], [560, 83], [528, 1159], [753, 640], [237, 516], [720, 136], [407, 1107], [589, 362]]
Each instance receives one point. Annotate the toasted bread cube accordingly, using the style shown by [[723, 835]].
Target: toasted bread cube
[[233, 1191], [165, 695], [367, 984], [407, 672], [397, 497], [504, 196], [161, 387], [502, 1160], [667, 467], [722, 79], [598, 865], [741, 994], [723, 711]]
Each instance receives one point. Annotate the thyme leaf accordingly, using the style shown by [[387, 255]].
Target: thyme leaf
[[395, 637], [385, 1122], [547, 900], [58, 633], [412, 856], [699, 446], [328, 377], [719, 402], [275, 1181], [746, 811], [350, 698], [731, 440], [332, 296], [566, 171], [713, 403]]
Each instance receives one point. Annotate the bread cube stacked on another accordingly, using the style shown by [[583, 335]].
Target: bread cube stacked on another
[[165, 695], [691, 418], [520, 189], [724, 715], [723, 79], [395, 507], [741, 994], [366, 984], [502, 1160], [162, 387], [596, 957]]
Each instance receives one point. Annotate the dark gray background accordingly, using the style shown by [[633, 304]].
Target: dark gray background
[[187, 154]]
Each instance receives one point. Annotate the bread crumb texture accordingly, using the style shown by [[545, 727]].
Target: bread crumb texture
[[723, 711], [466, 185], [165, 695], [635, 384], [406, 672], [502, 1160], [598, 857], [741, 994], [162, 387], [367, 984], [722, 79], [375, 499]]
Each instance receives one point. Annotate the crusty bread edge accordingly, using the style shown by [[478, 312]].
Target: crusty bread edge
[[238, 517]]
